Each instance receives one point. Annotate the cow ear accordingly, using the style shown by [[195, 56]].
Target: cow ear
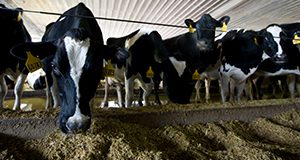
[[37, 49], [189, 22], [224, 19], [115, 54], [258, 40], [120, 55]]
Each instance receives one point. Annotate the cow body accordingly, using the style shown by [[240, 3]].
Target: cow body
[[189, 52], [117, 81], [146, 51], [75, 51], [211, 73], [242, 52], [12, 31], [286, 63]]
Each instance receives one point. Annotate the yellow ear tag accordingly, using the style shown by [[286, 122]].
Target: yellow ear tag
[[19, 18], [191, 29], [296, 39], [33, 63], [224, 27], [108, 70], [196, 75], [150, 73], [255, 41]]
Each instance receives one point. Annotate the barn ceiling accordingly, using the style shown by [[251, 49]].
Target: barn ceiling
[[254, 14]]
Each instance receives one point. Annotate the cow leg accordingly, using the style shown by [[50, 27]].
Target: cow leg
[[248, 89], [54, 92], [291, 80], [104, 102], [232, 86], [18, 90], [224, 87], [298, 84], [207, 87], [119, 94], [49, 83], [140, 97], [147, 87], [156, 93], [239, 90], [3, 90], [197, 88], [129, 86], [257, 82]]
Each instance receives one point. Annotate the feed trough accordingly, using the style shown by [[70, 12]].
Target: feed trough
[[195, 131]]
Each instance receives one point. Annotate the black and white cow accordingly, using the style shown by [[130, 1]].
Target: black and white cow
[[146, 50], [211, 73], [118, 82], [242, 52], [189, 52], [12, 31], [288, 54], [75, 48]]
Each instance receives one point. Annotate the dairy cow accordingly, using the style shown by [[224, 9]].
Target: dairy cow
[[75, 51], [242, 52], [212, 71], [189, 52], [288, 55], [12, 31], [146, 52]]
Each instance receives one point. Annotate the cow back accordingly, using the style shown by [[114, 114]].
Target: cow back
[[77, 17]]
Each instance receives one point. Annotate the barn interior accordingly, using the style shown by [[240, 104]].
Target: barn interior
[[264, 129], [254, 14]]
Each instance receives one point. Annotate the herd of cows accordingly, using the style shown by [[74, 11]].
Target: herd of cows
[[72, 54]]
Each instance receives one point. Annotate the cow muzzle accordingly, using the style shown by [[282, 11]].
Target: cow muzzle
[[280, 59], [204, 45], [76, 124]]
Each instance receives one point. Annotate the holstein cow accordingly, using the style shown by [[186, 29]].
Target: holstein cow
[[242, 52], [146, 52], [12, 31], [189, 52], [288, 55], [75, 46], [212, 71], [118, 81]]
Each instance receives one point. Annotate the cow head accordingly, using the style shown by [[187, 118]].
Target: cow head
[[12, 30], [77, 66], [275, 38], [270, 45], [10, 14], [205, 29]]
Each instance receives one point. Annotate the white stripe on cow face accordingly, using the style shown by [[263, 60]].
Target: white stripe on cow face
[[77, 53], [142, 31], [275, 31], [179, 65]]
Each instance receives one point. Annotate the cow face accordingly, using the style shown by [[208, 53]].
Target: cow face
[[205, 30], [12, 30], [270, 45], [10, 14], [77, 66], [276, 33]]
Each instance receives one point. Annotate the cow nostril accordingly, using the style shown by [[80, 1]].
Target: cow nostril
[[77, 127], [71, 126]]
